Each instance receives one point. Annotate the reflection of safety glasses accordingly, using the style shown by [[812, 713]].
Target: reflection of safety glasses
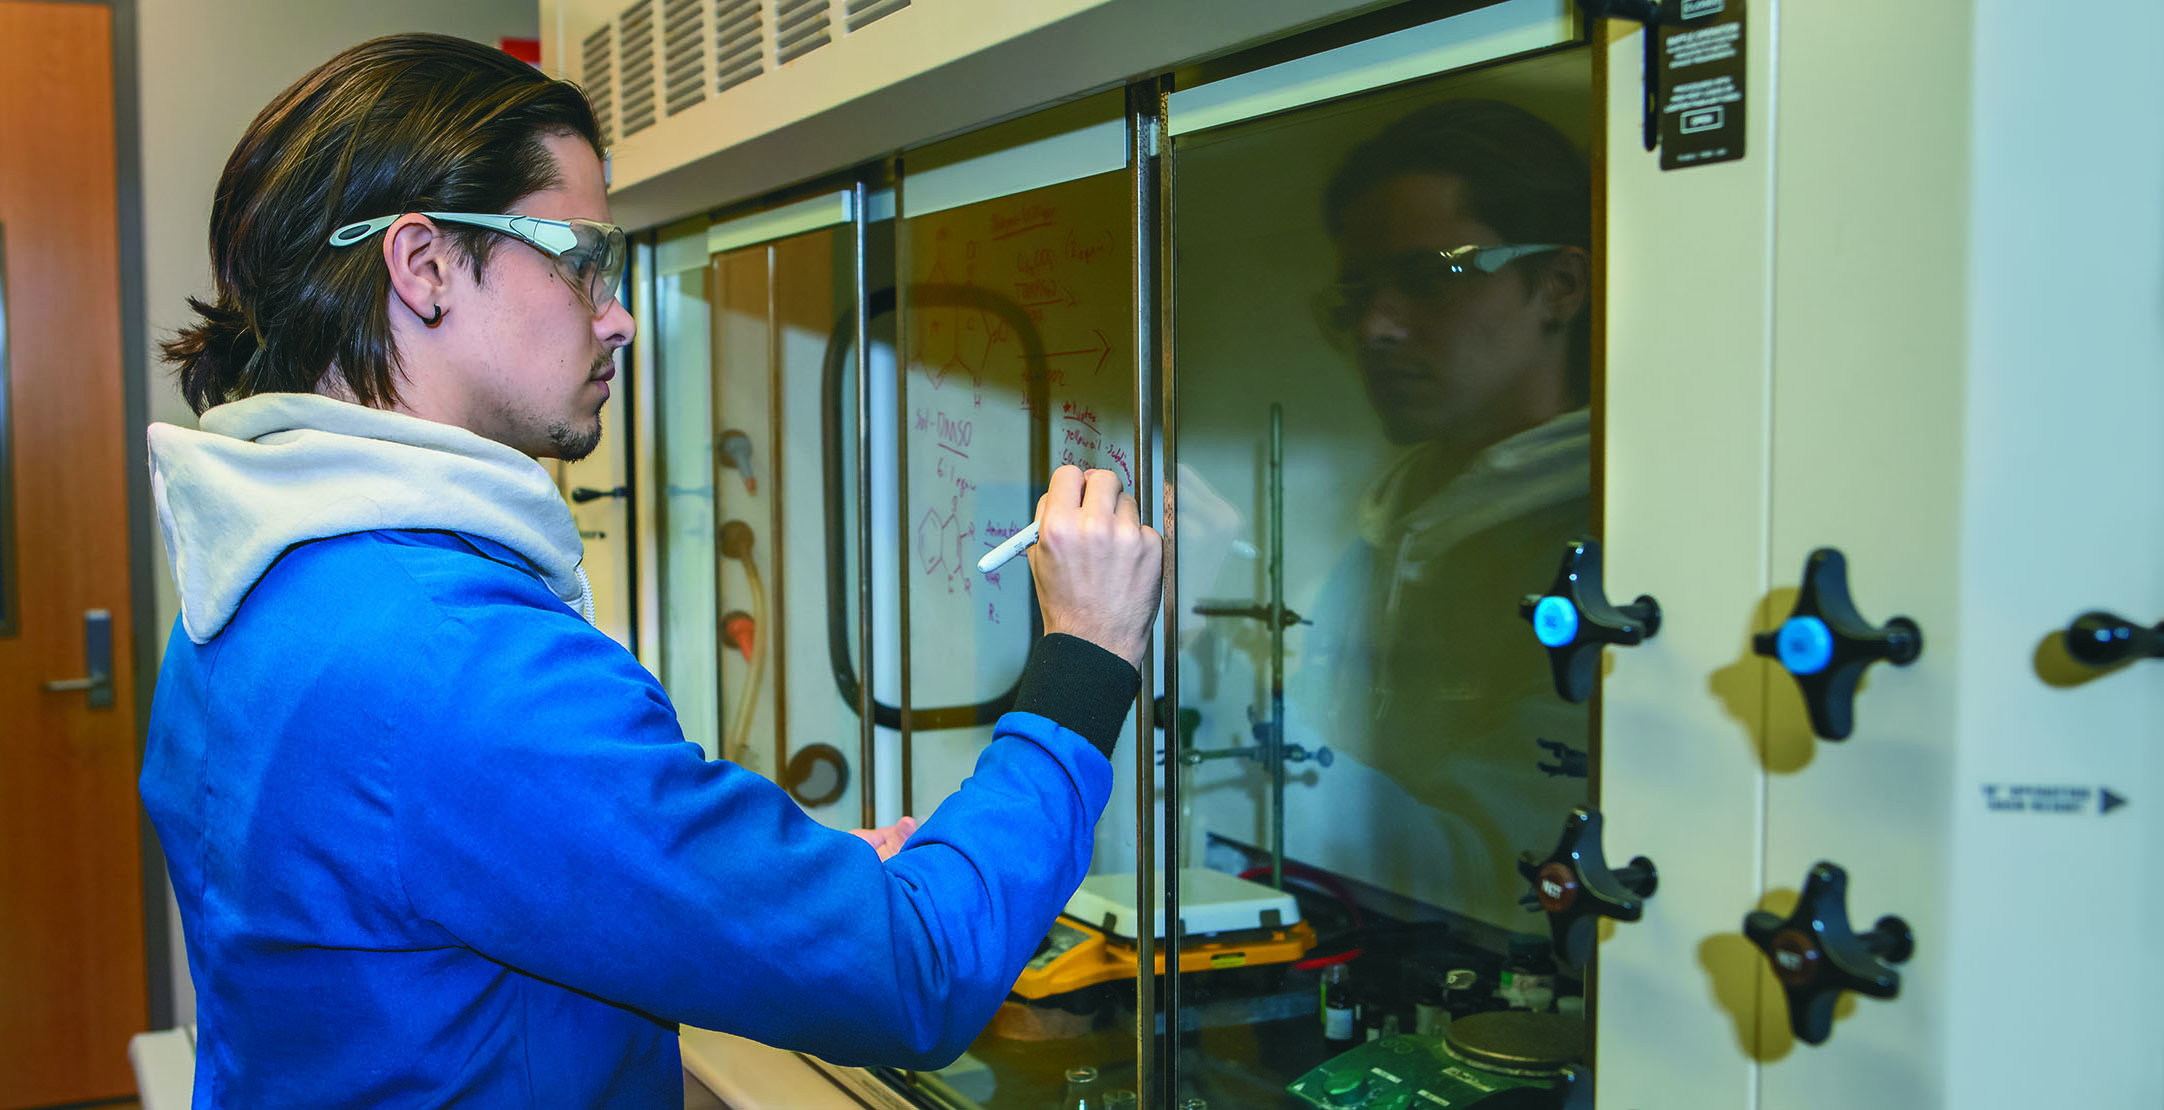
[[590, 254], [1420, 278]]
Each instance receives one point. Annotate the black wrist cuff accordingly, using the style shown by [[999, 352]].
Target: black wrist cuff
[[1080, 687]]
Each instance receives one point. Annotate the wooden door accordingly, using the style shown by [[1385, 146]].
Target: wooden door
[[72, 982]]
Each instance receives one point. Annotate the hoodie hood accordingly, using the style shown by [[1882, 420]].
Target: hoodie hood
[[1542, 466], [277, 469]]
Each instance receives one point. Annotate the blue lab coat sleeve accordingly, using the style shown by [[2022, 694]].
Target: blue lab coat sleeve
[[551, 816]]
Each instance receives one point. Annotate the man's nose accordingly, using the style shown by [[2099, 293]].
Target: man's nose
[[1378, 326], [615, 327]]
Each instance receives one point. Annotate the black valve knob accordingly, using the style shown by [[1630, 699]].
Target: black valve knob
[[1826, 644], [2102, 639], [1816, 955], [1573, 620], [1574, 886]]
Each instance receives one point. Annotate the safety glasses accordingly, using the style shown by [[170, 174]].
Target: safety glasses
[[1409, 281], [590, 254]]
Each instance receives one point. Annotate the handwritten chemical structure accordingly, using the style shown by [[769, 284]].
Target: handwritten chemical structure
[[1020, 293]]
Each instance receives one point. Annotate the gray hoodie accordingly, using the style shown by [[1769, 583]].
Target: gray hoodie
[[1415, 527], [278, 469]]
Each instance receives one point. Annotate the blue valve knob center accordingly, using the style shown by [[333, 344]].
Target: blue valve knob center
[[1805, 645], [1555, 621]]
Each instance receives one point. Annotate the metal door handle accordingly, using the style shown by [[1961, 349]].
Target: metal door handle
[[97, 659]]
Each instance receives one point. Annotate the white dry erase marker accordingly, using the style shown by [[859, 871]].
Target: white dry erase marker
[[1015, 545]]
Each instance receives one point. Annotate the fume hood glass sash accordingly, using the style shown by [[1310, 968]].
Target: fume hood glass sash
[[1418, 812], [1015, 312], [677, 350]]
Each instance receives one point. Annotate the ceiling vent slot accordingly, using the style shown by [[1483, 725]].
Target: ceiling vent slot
[[861, 12], [683, 53], [597, 75], [635, 36], [800, 27], [739, 43]]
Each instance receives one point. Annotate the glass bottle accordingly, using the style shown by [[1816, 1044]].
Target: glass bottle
[[1340, 1014], [1529, 975], [1081, 1089], [1461, 993], [1431, 1015]]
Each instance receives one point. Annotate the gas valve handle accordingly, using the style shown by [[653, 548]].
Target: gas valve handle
[[1574, 886], [1573, 620], [1816, 955], [2101, 639], [1826, 644]]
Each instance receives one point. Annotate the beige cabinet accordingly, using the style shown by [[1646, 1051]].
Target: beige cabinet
[[1946, 364], [1688, 353]]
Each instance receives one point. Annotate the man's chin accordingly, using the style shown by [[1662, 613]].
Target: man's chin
[[572, 443], [1408, 413], [1404, 432]]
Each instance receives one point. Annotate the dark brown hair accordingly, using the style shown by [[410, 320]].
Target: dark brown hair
[[1522, 177], [402, 123]]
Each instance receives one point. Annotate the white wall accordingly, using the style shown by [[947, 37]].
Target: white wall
[[206, 68]]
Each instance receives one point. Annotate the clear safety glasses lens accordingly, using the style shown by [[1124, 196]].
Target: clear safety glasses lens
[[1410, 282], [598, 260], [1400, 284]]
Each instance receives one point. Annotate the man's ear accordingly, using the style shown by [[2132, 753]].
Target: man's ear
[[1565, 286], [418, 255]]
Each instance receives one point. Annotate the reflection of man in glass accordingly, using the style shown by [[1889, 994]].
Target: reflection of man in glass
[[1461, 234]]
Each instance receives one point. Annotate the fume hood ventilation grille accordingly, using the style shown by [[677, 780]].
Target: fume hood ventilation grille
[[659, 58], [739, 43], [862, 12], [635, 33], [597, 74], [800, 27], [683, 54]]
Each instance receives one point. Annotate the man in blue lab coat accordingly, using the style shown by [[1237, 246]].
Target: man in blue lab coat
[[436, 839]]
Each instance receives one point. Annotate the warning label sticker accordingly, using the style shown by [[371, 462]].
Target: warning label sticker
[[2028, 797], [1702, 84]]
